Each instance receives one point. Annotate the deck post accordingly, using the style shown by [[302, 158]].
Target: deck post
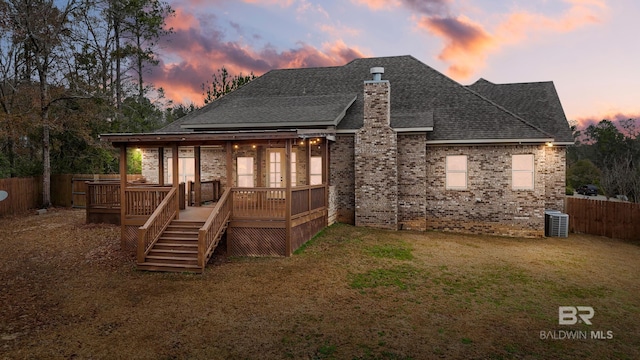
[[287, 197], [198, 190], [229, 161], [161, 166], [123, 196], [325, 175], [308, 147], [259, 176], [176, 175]]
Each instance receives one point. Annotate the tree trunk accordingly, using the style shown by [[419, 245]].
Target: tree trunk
[[116, 34], [44, 115], [46, 166], [139, 60]]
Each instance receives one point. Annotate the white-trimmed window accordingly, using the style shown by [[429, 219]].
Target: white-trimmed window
[[522, 175], [244, 169], [315, 172], [456, 172]]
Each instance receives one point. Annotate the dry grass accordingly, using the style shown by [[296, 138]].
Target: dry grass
[[352, 293]]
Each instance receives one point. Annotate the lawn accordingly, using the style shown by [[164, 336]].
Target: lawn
[[351, 293]]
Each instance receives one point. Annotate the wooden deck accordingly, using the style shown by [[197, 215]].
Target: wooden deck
[[200, 213], [256, 221]]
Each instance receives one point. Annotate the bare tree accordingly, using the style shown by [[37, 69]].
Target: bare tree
[[41, 27]]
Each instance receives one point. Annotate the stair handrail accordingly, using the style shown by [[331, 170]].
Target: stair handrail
[[210, 233], [149, 233]]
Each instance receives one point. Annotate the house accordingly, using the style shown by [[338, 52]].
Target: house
[[380, 142]]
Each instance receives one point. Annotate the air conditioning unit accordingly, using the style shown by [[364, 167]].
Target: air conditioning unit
[[556, 224]]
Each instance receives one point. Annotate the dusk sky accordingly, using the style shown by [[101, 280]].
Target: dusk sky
[[590, 49]]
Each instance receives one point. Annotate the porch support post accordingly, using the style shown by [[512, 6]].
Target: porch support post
[[287, 197], [198, 191], [176, 173], [123, 196], [161, 166], [259, 176], [308, 147], [228, 152], [325, 173]]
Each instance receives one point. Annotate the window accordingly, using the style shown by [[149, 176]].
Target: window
[[522, 172], [456, 172], [315, 171], [245, 171], [294, 169], [186, 170]]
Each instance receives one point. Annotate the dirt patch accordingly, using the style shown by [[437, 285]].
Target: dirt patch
[[69, 292]]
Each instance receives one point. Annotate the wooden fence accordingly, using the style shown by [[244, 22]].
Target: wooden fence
[[67, 190], [23, 194], [619, 220]]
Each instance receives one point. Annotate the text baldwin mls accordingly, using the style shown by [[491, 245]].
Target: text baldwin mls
[[572, 315]]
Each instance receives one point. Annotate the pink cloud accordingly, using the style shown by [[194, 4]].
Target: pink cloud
[[615, 117], [282, 3], [181, 21], [378, 4], [196, 50], [520, 25], [467, 44]]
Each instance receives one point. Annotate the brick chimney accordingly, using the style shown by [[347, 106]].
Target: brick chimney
[[376, 158]]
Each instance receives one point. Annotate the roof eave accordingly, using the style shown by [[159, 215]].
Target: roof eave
[[191, 137], [490, 141]]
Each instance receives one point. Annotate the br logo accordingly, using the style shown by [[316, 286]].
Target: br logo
[[571, 315]]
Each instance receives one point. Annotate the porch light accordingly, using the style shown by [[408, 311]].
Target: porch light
[[301, 142], [550, 144], [253, 146], [235, 146]]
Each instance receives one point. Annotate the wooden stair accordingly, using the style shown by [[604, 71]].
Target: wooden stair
[[176, 250]]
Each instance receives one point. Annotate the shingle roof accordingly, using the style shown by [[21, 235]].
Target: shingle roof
[[421, 97], [536, 102], [275, 111]]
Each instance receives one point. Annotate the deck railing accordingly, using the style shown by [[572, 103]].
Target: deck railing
[[144, 200], [258, 203], [210, 191], [305, 199], [103, 194], [149, 233], [210, 233]]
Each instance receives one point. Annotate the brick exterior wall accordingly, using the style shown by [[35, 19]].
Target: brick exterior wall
[[555, 177], [412, 182], [332, 209], [213, 162], [488, 205], [376, 161], [342, 176]]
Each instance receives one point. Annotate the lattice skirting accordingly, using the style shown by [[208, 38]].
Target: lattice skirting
[[256, 241], [129, 241], [304, 232]]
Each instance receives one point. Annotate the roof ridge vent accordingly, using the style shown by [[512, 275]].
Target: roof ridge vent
[[377, 73]]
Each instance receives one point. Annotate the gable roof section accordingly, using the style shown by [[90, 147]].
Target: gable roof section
[[536, 102], [421, 99], [275, 111]]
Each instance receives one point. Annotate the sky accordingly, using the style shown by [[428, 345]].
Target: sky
[[590, 49]]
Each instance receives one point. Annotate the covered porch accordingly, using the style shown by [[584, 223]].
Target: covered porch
[[273, 184]]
